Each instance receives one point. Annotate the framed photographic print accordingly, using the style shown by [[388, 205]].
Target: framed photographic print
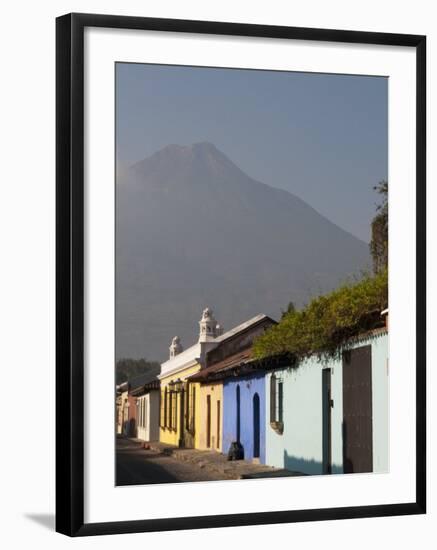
[[240, 274]]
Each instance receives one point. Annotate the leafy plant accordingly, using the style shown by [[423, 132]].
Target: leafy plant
[[328, 321]]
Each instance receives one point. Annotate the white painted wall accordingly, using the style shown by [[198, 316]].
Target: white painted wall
[[149, 431], [380, 389], [142, 431]]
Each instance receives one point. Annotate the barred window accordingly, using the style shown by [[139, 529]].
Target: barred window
[[191, 407], [273, 398], [173, 410], [164, 408], [168, 408], [276, 400], [280, 401], [161, 409], [187, 406]]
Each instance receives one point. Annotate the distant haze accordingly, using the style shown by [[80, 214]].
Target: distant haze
[[193, 230], [240, 190], [322, 137]]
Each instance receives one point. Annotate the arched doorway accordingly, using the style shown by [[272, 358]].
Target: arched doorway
[[238, 413], [256, 426]]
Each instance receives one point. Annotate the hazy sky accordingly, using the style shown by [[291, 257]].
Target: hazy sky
[[321, 137]]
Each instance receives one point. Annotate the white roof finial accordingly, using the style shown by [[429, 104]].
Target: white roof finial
[[175, 347], [207, 326], [207, 314]]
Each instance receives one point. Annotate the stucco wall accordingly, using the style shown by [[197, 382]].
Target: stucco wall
[[380, 389], [129, 413], [300, 446], [215, 391], [248, 387], [150, 431], [142, 431]]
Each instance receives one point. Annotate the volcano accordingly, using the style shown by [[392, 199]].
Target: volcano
[[193, 230]]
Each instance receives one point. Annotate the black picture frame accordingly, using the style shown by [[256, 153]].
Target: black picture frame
[[70, 273]]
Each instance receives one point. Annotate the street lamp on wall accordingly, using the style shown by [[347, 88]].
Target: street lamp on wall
[[178, 385]]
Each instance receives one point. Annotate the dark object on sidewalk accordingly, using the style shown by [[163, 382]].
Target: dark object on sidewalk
[[236, 451]]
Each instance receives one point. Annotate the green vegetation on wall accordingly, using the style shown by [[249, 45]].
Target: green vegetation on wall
[[328, 321]]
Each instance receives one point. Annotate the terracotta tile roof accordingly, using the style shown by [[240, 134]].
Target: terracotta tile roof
[[221, 366], [240, 364], [143, 382]]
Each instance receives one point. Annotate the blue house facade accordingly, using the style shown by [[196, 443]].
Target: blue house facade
[[244, 418], [313, 415]]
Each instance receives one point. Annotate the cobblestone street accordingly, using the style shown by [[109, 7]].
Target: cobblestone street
[[159, 464], [136, 466]]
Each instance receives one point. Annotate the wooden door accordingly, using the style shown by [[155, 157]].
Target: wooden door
[[218, 424], [357, 410], [326, 408], [208, 421]]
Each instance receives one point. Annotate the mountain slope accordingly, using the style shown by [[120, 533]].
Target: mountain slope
[[194, 230]]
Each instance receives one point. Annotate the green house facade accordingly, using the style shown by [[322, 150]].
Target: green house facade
[[331, 416]]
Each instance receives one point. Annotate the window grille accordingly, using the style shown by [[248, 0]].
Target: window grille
[[276, 403], [173, 410]]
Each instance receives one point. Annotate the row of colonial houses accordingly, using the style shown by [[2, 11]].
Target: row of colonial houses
[[311, 416]]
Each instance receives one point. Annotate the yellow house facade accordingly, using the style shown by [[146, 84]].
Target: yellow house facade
[[181, 400], [210, 420], [191, 400]]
